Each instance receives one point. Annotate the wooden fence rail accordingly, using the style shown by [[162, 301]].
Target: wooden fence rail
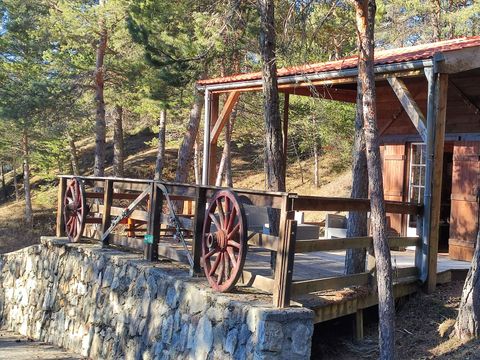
[[107, 193]]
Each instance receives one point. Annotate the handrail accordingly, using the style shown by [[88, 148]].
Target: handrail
[[317, 203], [303, 246]]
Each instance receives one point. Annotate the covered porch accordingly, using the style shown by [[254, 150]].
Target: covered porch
[[426, 94]]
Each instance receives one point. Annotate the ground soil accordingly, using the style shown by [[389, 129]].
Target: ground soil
[[424, 324]]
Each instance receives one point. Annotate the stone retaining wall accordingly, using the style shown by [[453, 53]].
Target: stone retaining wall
[[108, 304]]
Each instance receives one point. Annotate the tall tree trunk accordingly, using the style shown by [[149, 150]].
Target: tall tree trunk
[[15, 182], [225, 166], [365, 17], [357, 221], [186, 149], [273, 125], [196, 163], [228, 149], [316, 180], [73, 155], [467, 326], [26, 180], [100, 124], [274, 155], [118, 143], [2, 174], [437, 12], [161, 145]]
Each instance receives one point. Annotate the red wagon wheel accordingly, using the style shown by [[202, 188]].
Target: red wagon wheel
[[224, 244], [74, 206]]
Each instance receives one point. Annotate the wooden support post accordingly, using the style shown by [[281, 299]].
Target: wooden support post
[[200, 209], [107, 206], [286, 104], [62, 186], [206, 138], [152, 238], [359, 324], [285, 256], [440, 111], [130, 227], [212, 157], [419, 246]]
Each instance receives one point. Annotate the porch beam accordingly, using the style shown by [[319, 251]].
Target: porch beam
[[212, 161], [439, 114], [206, 139], [409, 105], [426, 259], [224, 116], [286, 105]]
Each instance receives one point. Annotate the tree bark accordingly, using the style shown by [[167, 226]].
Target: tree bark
[[161, 145], [316, 180], [2, 174], [118, 143], [365, 17], [357, 221], [196, 163], [100, 124], [437, 11], [467, 326], [26, 180], [225, 166], [73, 155], [186, 149], [273, 125], [15, 182]]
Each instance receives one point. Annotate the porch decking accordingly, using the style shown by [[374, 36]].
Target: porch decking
[[324, 264]]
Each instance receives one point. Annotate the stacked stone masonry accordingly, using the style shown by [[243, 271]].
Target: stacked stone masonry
[[108, 304]]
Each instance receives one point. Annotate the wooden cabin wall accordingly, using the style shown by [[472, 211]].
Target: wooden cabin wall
[[464, 210]]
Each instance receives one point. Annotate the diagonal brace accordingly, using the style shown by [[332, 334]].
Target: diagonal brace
[[409, 105], [224, 116]]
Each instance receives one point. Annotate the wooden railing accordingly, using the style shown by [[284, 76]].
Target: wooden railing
[[109, 197]]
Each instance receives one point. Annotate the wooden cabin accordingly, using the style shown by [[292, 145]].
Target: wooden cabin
[[428, 103]]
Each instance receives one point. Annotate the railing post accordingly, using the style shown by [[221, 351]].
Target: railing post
[[200, 208], [62, 186], [419, 256], [107, 207], [285, 255], [155, 205]]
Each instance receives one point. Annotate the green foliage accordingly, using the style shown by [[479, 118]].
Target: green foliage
[[158, 49]]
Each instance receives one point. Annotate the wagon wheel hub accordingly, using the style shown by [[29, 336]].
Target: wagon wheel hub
[[224, 243]]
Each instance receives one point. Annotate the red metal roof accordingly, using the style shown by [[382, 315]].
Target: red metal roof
[[399, 55]]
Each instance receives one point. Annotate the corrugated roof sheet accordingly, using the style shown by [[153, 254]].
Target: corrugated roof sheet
[[382, 57]]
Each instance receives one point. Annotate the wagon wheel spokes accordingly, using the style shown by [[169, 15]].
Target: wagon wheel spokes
[[224, 241], [74, 209]]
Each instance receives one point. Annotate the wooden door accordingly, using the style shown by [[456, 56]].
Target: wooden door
[[394, 182], [464, 207]]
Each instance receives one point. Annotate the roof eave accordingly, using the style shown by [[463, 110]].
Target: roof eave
[[327, 75]]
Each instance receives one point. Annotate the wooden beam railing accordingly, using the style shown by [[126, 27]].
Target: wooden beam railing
[[315, 203], [283, 244], [304, 246]]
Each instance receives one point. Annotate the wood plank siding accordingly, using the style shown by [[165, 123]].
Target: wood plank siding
[[463, 216]]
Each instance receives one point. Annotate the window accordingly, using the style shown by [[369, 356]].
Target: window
[[416, 182], [416, 187]]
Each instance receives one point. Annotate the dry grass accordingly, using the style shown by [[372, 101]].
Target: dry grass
[[423, 331], [15, 233]]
